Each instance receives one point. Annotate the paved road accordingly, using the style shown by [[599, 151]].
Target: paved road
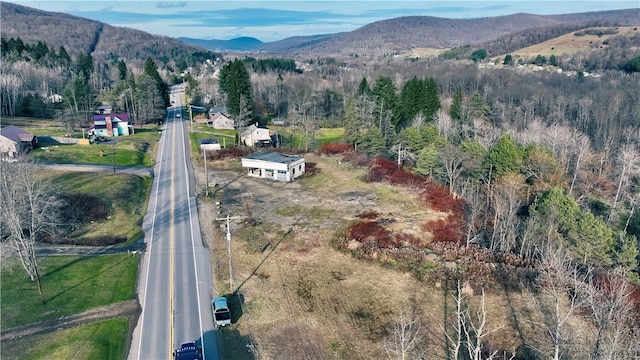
[[175, 277]]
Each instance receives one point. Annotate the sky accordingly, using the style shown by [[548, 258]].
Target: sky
[[276, 20]]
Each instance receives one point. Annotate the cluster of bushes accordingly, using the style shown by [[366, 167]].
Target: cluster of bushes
[[376, 241], [232, 152], [598, 32], [383, 170], [334, 148]]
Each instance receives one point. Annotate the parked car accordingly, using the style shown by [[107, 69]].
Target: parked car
[[221, 312], [188, 351]]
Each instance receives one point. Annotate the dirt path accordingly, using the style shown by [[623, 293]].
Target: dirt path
[[124, 308]]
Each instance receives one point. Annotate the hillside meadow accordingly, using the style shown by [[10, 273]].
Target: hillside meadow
[[295, 295]]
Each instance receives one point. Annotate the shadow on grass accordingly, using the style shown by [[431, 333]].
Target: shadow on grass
[[237, 290], [234, 345], [217, 188], [60, 268], [236, 303], [85, 280]]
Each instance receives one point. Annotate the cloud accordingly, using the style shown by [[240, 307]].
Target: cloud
[[167, 4]]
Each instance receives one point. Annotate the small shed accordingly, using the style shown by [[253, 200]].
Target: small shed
[[211, 144], [273, 165]]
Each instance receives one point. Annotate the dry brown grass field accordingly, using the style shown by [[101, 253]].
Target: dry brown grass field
[[570, 44], [303, 299]]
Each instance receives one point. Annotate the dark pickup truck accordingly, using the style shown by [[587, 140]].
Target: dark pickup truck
[[188, 351]]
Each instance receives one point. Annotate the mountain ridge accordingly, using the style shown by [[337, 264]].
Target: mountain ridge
[[378, 38]]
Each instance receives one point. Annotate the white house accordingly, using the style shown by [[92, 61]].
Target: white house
[[105, 125], [255, 135], [221, 121], [272, 165]]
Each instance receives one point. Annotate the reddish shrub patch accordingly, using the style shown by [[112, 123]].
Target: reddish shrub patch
[[439, 198], [232, 152], [407, 179], [444, 230], [387, 170], [371, 231], [334, 148], [408, 240], [370, 215], [381, 169]]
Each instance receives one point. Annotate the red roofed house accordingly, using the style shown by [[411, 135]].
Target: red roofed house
[[14, 140]]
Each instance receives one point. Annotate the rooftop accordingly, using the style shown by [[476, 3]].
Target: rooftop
[[273, 157]]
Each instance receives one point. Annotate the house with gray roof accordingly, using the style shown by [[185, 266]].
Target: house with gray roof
[[14, 140], [256, 135], [273, 165]]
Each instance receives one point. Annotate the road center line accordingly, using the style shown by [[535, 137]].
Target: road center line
[[171, 242]]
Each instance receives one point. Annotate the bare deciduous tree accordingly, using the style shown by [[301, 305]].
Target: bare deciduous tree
[[560, 293], [612, 315], [29, 211], [628, 162], [452, 160], [470, 330], [444, 123], [404, 342], [582, 148]]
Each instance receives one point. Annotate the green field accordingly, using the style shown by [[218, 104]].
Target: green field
[[103, 340], [297, 139], [127, 194], [203, 131], [71, 284], [134, 150]]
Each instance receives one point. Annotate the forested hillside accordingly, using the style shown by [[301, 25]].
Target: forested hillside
[[504, 33], [79, 35]]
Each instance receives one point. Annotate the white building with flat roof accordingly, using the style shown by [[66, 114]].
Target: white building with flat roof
[[272, 165]]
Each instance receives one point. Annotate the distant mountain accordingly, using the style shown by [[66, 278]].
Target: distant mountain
[[238, 44], [500, 33], [78, 34], [496, 34], [253, 44], [405, 33]]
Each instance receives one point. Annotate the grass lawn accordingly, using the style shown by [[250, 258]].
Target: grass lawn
[[71, 284], [329, 135], [127, 195], [29, 122], [295, 137], [138, 149], [226, 137], [103, 340]]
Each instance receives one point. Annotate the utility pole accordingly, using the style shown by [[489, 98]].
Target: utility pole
[[228, 219], [206, 174], [113, 155]]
